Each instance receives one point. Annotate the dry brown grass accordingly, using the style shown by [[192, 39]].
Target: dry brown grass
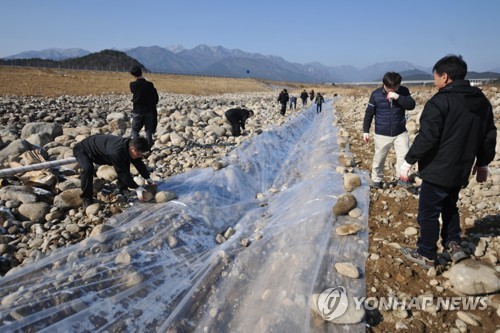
[[51, 82]]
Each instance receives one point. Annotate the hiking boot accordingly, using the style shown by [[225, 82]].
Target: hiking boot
[[377, 185], [87, 202], [404, 184], [414, 256], [456, 252]]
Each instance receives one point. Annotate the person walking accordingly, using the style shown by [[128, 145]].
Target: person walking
[[457, 134], [105, 149], [388, 105], [283, 100], [319, 103], [303, 97], [237, 118], [293, 103], [311, 95], [144, 99]]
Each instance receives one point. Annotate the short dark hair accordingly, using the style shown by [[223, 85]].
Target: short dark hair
[[453, 65], [391, 79], [140, 144], [136, 71]]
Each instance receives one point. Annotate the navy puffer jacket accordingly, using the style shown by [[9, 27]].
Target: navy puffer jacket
[[390, 118]]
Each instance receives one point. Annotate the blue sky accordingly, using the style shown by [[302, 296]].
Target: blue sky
[[335, 33]]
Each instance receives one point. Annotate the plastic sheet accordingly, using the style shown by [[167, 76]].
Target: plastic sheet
[[159, 268]]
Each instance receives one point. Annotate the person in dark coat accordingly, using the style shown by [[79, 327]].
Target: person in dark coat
[[144, 99], [283, 100], [105, 149], [311, 95], [303, 97], [457, 134], [237, 118]]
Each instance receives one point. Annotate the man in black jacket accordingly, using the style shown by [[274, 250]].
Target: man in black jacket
[[388, 104], [457, 133], [283, 100], [112, 150], [144, 99], [303, 97], [237, 118]]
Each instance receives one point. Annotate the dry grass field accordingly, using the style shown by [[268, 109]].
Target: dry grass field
[[53, 82]]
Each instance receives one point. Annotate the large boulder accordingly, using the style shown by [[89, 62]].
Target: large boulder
[[35, 211], [472, 277], [68, 199], [14, 149], [24, 194], [53, 129]]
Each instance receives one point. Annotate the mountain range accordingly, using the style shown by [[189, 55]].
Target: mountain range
[[219, 61]]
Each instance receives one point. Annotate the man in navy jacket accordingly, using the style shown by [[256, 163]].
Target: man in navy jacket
[[457, 134], [388, 104]]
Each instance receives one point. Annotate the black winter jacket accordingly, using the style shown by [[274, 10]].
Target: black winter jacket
[[456, 127], [112, 150], [145, 96], [390, 118], [237, 116], [283, 97]]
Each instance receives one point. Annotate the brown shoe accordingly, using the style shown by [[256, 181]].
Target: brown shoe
[[456, 252]]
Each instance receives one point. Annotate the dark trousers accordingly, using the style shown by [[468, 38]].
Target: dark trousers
[[87, 171], [235, 127], [304, 101], [435, 200], [318, 108], [149, 121], [293, 105], [283, 109]]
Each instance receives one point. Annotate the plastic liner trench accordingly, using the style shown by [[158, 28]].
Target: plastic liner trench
[[159, 267]]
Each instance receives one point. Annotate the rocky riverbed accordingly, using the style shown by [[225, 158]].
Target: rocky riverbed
[[40, 211]]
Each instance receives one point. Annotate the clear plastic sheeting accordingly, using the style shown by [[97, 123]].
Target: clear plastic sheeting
[[159, 268]]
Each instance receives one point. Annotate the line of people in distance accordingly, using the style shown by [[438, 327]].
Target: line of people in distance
[[284, 98]]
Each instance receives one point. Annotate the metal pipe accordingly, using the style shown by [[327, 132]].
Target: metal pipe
[[38, 166]]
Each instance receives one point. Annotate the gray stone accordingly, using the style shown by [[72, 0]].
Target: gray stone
[[471, 277]]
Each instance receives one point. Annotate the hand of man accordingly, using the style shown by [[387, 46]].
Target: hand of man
[[392, 95], [404, 171], [151, 182], [481, 173], [140, 193], [366, 137]]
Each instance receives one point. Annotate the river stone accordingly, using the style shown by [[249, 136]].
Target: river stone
[[344, 204], [347, 269], [68, 199], [107, 172], [351, 181], [165, 196], [348, 229], [34, 211], [53, 129], [471, 277], [25, 194]]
